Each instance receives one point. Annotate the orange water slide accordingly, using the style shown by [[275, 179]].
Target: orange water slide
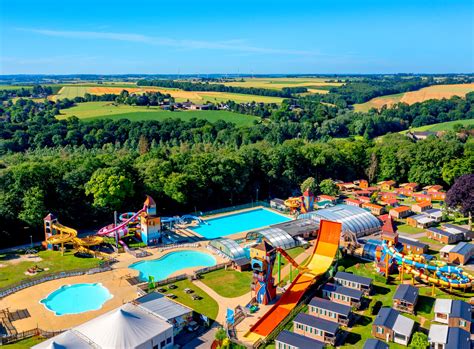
[[323, 254]]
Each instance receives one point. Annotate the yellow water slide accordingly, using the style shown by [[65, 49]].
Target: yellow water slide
[[67, 235]]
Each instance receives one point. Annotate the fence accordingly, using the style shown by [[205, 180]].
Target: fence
[[6, 291], [235, 208], [28, 334]]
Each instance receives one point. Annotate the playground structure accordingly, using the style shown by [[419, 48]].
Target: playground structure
[[262, 258], [437, 273], [322, 257], [302, 204], [144, 224]]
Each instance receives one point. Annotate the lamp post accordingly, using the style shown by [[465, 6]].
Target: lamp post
[[256, 199], [31, 241]]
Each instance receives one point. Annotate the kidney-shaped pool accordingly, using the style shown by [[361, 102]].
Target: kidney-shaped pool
[[172, 262]]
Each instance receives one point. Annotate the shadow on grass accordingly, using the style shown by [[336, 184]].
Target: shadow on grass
[[353, 338], [364, 320], [424, 305], [381, 290]]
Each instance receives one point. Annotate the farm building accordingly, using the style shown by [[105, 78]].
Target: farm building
[[373, 343], [468, 234], [390, 326], [421, 221], [353, 202], [316, 328], [446, 237], [457, 254], [387, 185], [291, 340], [454, 313], [400, 212], [353, 281], [405, 298], [445, 337], [129, 326], [343, 295], [421, 207], [411, 246], [354, 219], [373, 208], [278, 204], [331, 311]]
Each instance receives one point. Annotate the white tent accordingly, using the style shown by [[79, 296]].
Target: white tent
[[68, 339], [127, 327]]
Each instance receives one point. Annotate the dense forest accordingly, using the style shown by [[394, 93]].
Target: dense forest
[[82, 171]]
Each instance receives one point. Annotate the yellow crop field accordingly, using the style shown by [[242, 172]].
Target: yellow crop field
[[279, 83]]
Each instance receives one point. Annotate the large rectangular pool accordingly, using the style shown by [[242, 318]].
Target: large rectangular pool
[[238, 222]]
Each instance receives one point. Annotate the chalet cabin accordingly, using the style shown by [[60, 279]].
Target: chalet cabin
[[291, 340], [421, 221], [421, 207], [457, 254], [331, 311], [373, 343], [412, 246], [454, 313], [445, 337], [400, 212], [390, 326], [343, 295], [446, 237], [353, 281], [405, 298], [353, 202], [387, 185], [375, 209], [316, 328]]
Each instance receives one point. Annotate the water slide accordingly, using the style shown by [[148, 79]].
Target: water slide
[[321, 259], [122, 228], [440, 275]]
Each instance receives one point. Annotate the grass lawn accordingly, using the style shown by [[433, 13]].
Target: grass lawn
[[405, 228], [25, 343], [294, 252], [100, 110], [15, 272], [206, 305], [228, 283], [442, 126]]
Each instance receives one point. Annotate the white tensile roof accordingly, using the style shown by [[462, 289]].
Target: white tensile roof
[[68, 339], [438, 334], [443, 306], [403, 325], [126, 327]]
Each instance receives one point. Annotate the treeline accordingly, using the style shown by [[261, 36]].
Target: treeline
[[286, 92], [34, 91], [83, 186], [154, 98]]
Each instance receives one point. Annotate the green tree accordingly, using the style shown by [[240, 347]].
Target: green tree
[[309, 183], [328, 187], [419, 341], [33, 208], [220, 335], [109, 187]]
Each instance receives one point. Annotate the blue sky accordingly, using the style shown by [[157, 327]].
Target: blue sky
[[229, 36]]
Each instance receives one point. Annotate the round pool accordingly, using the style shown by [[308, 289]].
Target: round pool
[[77, 298], [168, 264]]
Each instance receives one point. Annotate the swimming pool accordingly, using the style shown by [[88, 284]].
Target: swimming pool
[[163, 267], [238, 222], [77, 298]]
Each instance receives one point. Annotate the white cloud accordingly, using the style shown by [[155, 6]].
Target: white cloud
[[228, 45]]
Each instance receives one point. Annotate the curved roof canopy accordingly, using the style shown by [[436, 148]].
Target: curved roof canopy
[[228, 246], [275, 236], [354, 219]]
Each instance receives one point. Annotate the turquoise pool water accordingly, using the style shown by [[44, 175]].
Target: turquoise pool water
[[165, 266], [237, 222], [77, 298]]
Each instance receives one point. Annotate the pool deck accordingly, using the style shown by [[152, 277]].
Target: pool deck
[[114, 280]]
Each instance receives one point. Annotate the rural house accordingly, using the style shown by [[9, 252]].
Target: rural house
[[400, 212], [291, 340], [343, 295], [405, 298], [356, 282], [331, 311], [421, 207], [390, 326], [454, 313], [445, 337], [317, 328]]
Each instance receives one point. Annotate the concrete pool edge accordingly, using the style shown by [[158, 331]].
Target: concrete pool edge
[[110, 296]]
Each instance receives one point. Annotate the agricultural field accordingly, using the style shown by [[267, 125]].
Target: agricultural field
[[279, 83], [72, 91], [424, 94], [443, 126], [99, 110]]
